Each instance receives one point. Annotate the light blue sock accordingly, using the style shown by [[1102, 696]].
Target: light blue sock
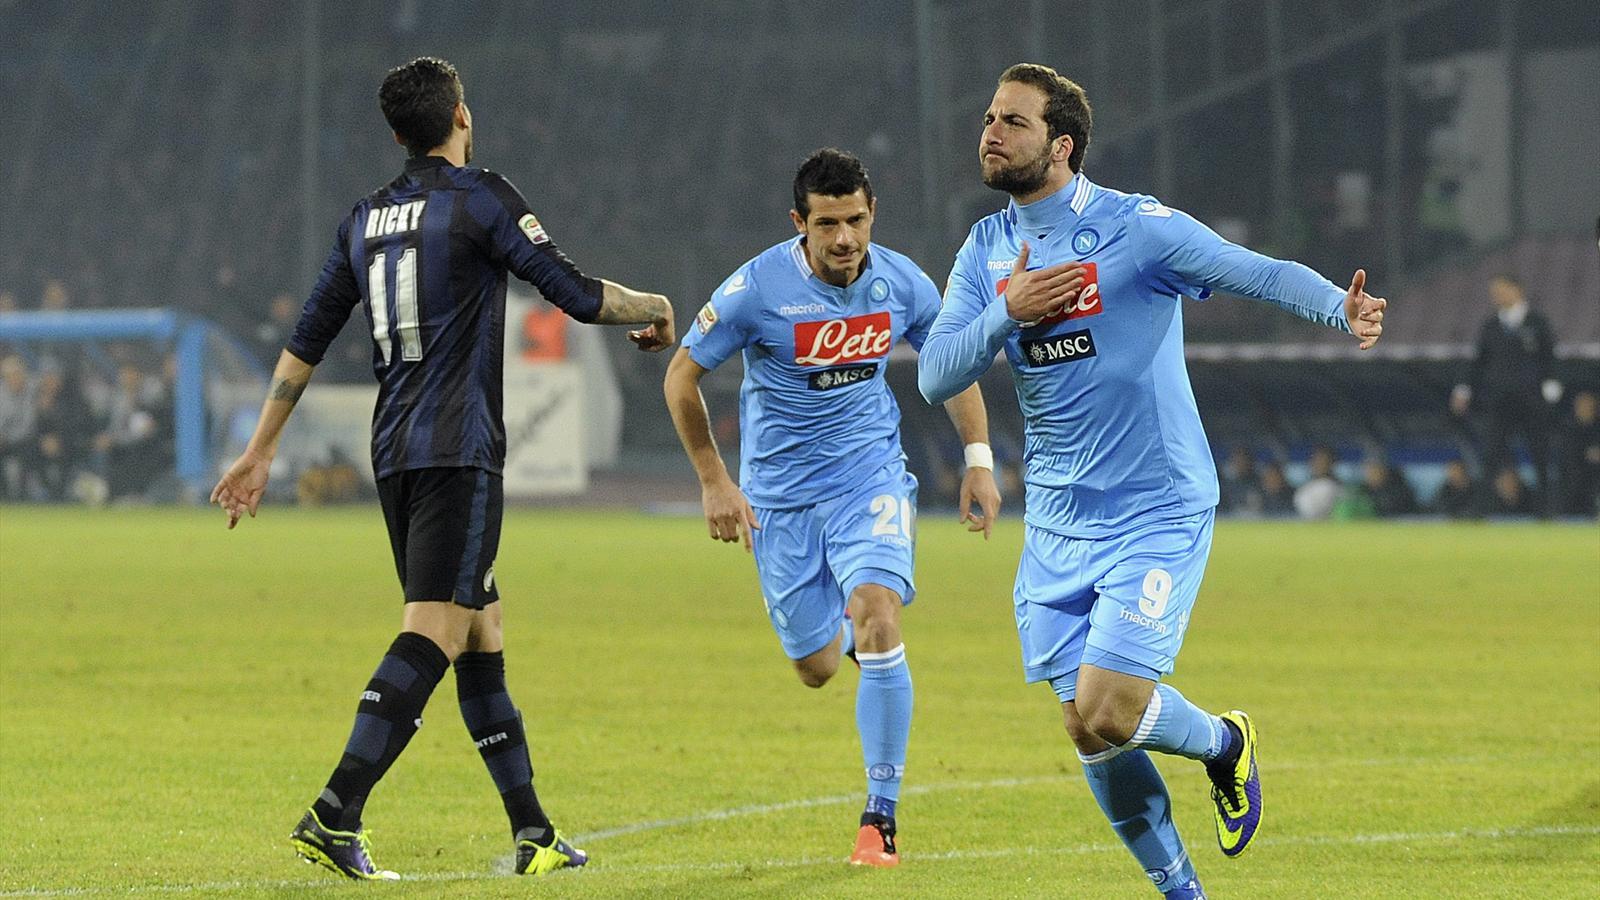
[[1134, 798], [1173, 725], [883, 716]]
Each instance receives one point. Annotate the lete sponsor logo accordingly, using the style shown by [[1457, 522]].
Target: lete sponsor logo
[[1087, 304], [835, 341]]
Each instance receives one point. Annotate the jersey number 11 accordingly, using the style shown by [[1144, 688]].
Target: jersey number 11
[[405, 304]]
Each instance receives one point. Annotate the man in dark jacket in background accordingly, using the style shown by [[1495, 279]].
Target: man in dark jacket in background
[[1510, 386]]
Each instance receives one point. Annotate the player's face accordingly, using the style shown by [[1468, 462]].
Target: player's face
[[1015, 151], [837, 231]]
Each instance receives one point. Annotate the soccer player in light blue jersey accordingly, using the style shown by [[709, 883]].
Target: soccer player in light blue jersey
[[1079, 286], [823, 496]]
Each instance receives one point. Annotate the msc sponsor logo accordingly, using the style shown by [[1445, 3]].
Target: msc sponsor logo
[[829, 379], [1087, 304], [706, 317], [835, 341], [535, 232], [1143, 621], [1058, 348]]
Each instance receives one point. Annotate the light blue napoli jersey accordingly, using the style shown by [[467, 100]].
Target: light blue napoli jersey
[[1113, 434], [815, 413]]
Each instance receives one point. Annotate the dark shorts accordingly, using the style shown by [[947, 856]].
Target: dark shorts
[[444, 527]]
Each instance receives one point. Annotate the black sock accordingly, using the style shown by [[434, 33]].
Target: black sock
[[389, 714], [496, 727], [1223, 765], [879, 819]]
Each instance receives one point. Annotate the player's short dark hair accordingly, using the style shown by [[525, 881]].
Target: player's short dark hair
[[829, 172], [1066, 106], [419, 101]]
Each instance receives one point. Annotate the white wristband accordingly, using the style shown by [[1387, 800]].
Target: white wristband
[[979, 456]]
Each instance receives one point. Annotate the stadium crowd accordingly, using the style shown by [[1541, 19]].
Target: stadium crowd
[[76, 429], [1257, 482], [1372, 486]]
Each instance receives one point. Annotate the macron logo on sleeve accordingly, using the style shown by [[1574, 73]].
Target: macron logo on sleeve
[[1152, 208]]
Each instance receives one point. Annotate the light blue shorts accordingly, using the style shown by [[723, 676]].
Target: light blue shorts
[[811, 558], [1119, 603]]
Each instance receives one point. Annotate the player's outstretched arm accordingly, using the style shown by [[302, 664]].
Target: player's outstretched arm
[[240, 488], [1187, 257], [621, 305], [728, 514], [967, 413]]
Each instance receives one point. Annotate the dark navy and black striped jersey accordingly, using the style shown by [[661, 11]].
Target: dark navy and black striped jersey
[[426, 256]]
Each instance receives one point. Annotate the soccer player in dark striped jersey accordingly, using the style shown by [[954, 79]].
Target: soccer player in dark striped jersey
[[426, 257]]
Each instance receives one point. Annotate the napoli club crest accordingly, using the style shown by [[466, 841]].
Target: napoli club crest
[[880, 289], [1084, 240]]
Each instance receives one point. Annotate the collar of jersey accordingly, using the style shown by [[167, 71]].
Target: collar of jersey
[[426, 162], [797, 252], [1051, 211]]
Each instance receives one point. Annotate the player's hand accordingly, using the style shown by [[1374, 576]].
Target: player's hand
[[1364, 311], [728, 513], [240, 489], [658, 335], [978, 485], [1036, 295]]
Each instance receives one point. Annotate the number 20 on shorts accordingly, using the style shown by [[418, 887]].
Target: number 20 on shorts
[[888, 508]]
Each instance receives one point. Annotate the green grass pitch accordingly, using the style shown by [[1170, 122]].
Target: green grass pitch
[[172, 695]]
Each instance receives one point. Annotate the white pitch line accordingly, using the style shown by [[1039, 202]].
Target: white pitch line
[[1079, 849], [1493, 834], [760, 809]]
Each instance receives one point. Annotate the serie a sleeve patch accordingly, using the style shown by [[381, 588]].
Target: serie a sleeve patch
[[530, 226], [706, 318]]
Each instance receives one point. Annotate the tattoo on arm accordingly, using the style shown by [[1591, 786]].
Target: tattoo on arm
[[621, 306], [284, 389]]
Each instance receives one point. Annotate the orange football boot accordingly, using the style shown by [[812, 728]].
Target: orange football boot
[[875, 846]]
